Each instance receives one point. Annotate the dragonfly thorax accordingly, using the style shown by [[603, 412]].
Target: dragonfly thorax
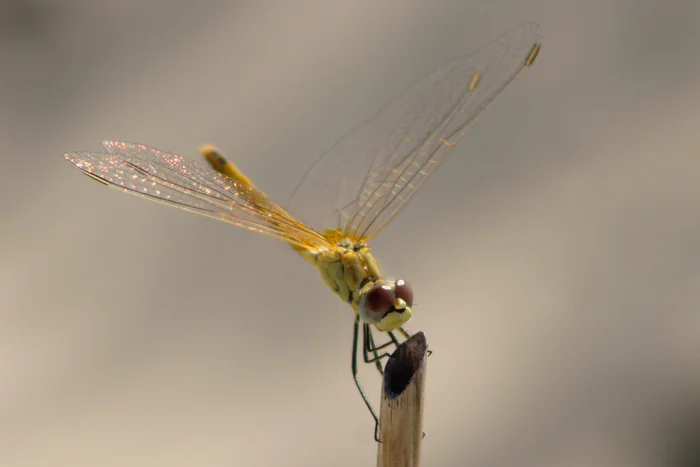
[[351, 271]]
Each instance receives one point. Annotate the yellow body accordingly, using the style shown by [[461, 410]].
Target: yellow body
[[349, 269]]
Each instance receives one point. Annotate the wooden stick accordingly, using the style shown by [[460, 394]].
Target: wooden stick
[[401, 410]]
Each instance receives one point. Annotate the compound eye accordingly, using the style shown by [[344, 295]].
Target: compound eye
[[404, 291], [379, 299]]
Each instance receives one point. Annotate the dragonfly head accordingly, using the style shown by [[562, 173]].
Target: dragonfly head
[[386, 304]]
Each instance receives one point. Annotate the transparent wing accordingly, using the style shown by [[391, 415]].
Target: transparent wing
[[371, 174], [185, 184]]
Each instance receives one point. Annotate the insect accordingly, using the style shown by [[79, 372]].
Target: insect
[[349, 195]]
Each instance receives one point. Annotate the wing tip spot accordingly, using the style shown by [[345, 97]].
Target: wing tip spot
[[533, 54], [474, 82], [96, 178]]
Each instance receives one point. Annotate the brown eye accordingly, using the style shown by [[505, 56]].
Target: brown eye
[[379, 299], [404, 292]]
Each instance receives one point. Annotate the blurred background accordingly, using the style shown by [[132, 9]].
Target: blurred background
[[554, 258]]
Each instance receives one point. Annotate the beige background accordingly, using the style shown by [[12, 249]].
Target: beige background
[[555, 258]]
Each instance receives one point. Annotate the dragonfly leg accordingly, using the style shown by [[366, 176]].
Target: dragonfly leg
[[393, 338], [377, 360], [355, 340], [407, 334], [370, 347]]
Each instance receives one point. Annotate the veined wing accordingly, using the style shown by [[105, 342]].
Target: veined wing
[[371, 174], [188, 185]]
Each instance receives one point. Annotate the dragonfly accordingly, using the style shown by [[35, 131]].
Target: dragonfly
[[349, 195]]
